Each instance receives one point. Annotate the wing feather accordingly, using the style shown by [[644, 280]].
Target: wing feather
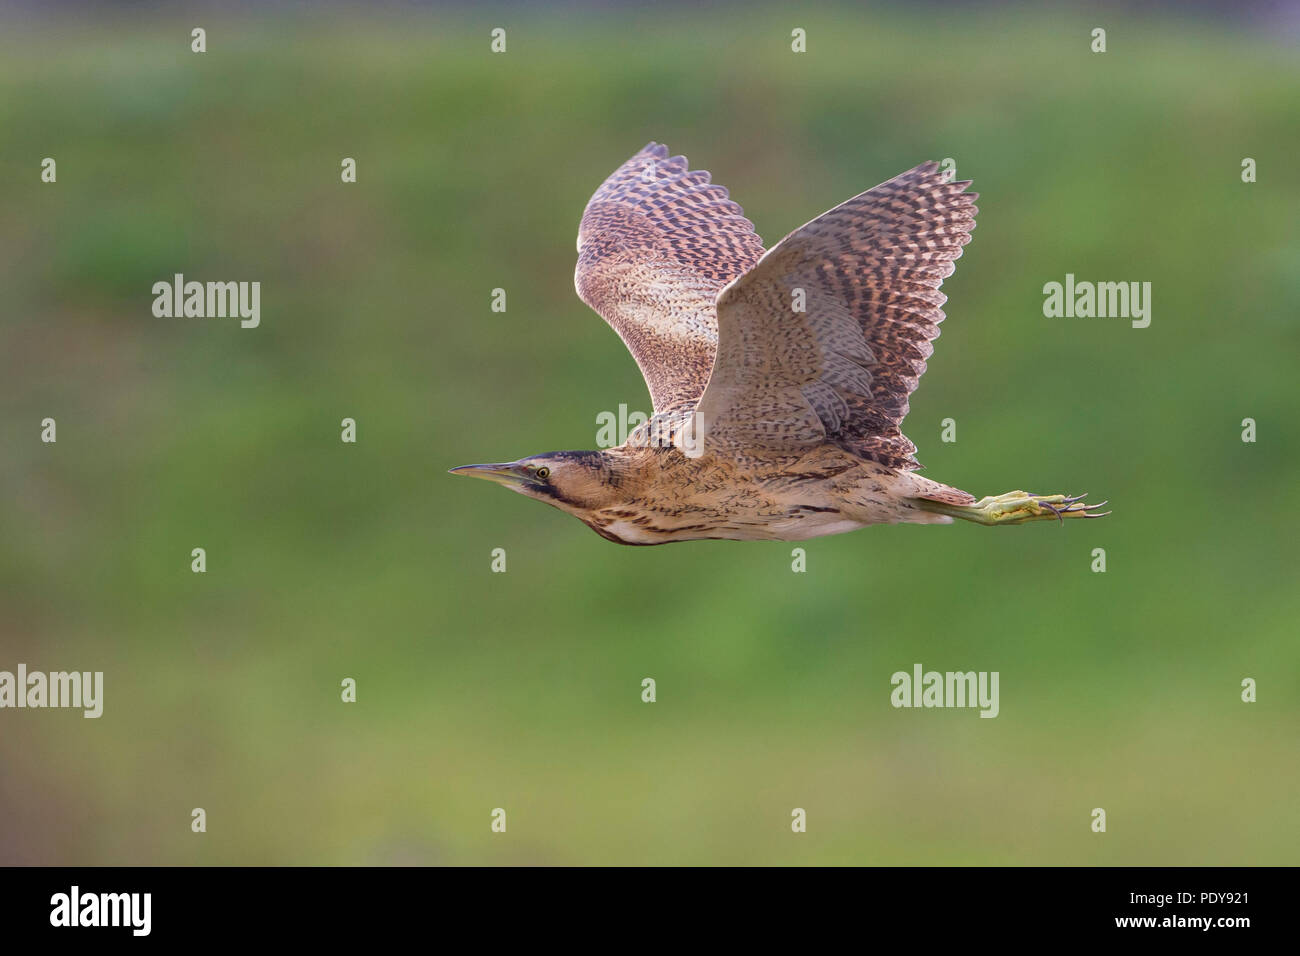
[[867, 275], [656, 243]]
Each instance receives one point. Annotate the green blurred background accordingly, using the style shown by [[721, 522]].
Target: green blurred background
[[522, 690]]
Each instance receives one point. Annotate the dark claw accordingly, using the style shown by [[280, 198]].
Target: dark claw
[[1074, 505], [1053, 511]]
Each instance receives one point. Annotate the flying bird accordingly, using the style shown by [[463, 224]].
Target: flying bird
[[779, 378]]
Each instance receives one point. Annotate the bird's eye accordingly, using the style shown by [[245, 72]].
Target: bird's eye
[[543, 473]]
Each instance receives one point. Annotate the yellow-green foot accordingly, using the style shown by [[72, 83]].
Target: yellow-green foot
[[1017, 507]]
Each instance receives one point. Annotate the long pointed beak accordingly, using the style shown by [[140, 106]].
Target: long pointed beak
[[506, 473]]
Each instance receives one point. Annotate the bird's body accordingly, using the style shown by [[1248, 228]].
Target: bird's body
[[779, 378], [661, 495]]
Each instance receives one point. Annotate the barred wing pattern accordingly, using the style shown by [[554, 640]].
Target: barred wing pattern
[[841, 371], [656, 244]]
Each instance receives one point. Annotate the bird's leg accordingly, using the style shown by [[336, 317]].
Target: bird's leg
[[1017, 507]]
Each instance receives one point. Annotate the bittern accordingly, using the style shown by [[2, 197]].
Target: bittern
[[778, 378]]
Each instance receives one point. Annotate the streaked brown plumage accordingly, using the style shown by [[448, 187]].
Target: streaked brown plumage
[[779, 379]]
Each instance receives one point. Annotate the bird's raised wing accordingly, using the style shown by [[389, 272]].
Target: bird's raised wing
[[867, 276], [656, 244]]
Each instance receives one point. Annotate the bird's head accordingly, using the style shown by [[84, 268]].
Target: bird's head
[[578, 482]]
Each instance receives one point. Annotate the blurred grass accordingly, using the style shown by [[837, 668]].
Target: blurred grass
[[521, 690]]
